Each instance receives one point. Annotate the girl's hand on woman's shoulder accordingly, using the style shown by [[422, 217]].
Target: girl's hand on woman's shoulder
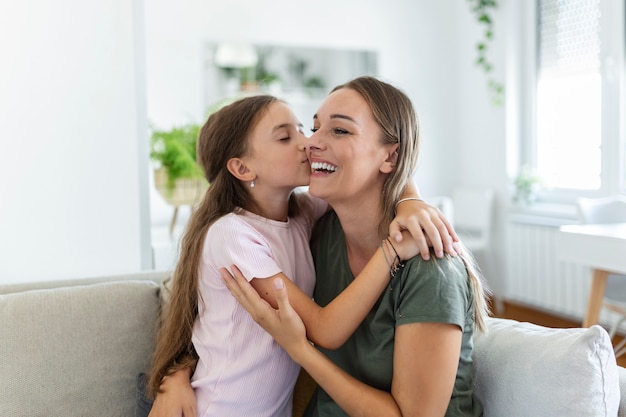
[[428, 227]]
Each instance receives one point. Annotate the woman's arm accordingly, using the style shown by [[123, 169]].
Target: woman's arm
[[425, 360]]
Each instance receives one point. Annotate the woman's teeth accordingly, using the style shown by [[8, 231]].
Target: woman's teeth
[[323, 166]]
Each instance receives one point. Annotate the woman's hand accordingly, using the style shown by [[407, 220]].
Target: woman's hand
[[427, 225], [177, 398], [284, 324]]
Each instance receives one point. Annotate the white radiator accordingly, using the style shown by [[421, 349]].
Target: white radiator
[[536, 277]]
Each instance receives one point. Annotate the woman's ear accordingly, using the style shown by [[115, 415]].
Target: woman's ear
[[390, 162], [238, 168]]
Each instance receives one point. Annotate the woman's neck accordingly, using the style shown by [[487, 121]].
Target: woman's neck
[[360, 227]]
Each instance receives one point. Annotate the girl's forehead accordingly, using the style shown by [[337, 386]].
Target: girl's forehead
[[278, 112]]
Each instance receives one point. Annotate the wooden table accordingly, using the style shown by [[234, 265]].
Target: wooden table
[[601, 247]]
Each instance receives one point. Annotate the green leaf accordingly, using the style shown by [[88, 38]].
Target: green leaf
[[484, 18]]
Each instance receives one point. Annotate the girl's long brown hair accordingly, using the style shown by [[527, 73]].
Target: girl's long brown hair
[[224, 136]]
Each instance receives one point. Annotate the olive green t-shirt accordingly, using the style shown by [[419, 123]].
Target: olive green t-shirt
[[437, 290]]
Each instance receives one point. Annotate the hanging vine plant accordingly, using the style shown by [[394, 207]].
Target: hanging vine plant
[[483, 11]]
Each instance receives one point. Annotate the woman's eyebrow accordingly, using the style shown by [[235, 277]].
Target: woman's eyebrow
[[338, 116], [342, 116]]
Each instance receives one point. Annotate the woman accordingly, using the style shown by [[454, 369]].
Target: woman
[[253, 155], [412, 353]]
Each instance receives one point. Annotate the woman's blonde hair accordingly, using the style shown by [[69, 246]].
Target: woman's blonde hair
[[225, 135], [394, 112]]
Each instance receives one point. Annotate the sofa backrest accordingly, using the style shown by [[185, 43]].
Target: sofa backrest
[[75, 350]]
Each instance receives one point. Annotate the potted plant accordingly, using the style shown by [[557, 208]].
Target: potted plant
[[527, 185], [177, 176]]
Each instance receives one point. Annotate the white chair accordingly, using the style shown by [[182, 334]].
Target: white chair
[[473, 217], [610, 209]]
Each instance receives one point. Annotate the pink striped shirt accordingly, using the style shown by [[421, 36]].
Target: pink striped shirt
[[241, 370]]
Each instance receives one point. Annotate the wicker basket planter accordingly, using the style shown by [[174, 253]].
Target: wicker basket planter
[[186, 191]]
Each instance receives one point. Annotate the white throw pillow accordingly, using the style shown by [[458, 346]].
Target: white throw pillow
[[522, 370]]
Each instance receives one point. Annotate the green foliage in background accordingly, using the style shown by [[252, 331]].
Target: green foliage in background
[[483, 10], [175, 150]]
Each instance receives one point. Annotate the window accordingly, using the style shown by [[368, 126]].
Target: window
[[577, 145]]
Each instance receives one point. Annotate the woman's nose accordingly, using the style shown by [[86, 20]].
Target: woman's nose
[[313, 142]]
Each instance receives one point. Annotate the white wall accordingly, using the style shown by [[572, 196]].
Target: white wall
[[71, 184]]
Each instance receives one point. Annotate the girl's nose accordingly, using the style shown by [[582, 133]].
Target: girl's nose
[[302, 143]]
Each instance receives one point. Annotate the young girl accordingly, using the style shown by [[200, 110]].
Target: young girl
[[253, 155], [412, 355]]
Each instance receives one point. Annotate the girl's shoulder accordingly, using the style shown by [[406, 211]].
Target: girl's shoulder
[[230, 224]]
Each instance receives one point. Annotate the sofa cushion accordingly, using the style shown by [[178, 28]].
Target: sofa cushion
[[521, 370], [75, 351]]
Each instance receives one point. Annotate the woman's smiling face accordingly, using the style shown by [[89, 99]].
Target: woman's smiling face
[[346, 154]]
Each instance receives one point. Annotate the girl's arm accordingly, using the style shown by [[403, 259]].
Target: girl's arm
[[424, 222], [330, 326], [425, 359]]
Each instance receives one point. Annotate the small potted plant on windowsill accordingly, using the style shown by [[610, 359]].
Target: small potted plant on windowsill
[[527, 186]]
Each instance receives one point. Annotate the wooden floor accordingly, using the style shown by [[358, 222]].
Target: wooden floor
[[523, 313]]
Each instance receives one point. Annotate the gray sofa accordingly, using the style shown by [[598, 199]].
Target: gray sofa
[[74, 348]]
